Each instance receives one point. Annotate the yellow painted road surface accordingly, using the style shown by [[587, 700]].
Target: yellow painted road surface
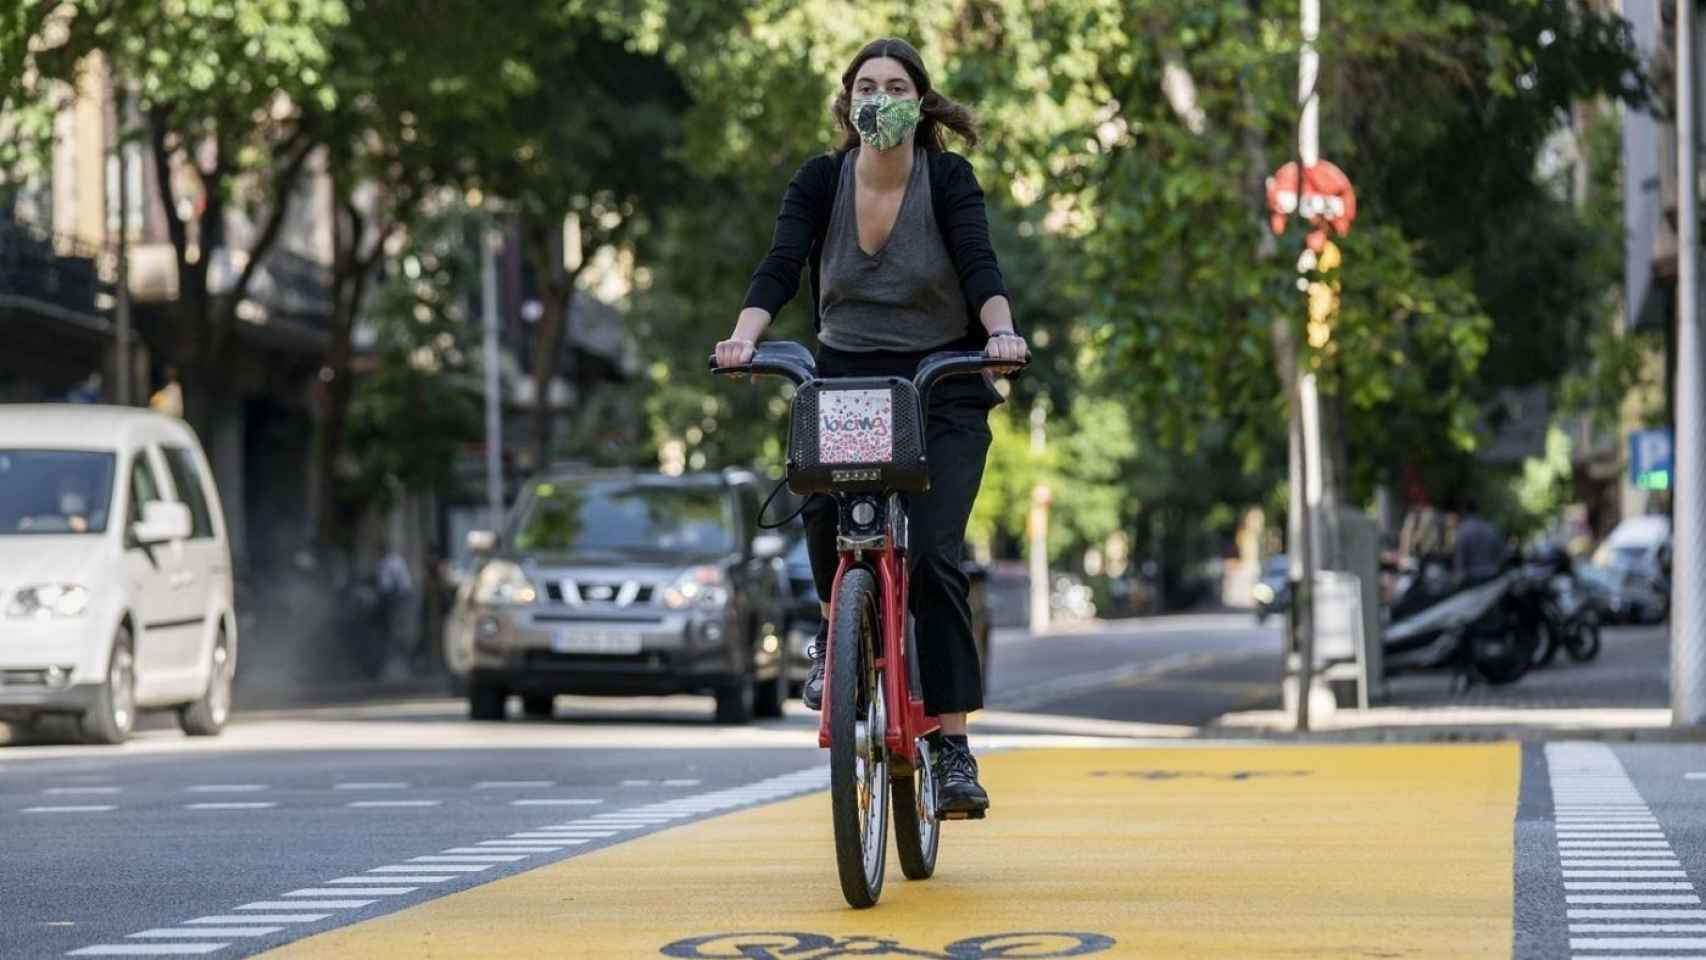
[[1306, 852]]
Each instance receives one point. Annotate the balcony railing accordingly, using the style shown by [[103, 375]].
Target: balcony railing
[[54, 271]]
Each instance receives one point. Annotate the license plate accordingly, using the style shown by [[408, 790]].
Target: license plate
[[596, 641]]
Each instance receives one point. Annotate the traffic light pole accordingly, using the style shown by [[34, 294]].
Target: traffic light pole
[[1688, 563], [1303, 593]]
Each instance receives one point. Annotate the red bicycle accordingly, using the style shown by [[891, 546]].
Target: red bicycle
[[860, 440]]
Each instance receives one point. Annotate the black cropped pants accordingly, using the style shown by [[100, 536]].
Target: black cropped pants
[[957, 442]]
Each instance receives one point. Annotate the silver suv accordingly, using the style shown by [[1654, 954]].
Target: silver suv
[[624, 583]]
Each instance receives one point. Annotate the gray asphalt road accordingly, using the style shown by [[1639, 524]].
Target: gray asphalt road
[[99, 849]]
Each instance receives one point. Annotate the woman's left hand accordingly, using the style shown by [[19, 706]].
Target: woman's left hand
[[1009, 347]]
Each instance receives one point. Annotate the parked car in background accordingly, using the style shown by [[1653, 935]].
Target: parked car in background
[[115, 572], [804, 616], [624, 583], [1631, 570]]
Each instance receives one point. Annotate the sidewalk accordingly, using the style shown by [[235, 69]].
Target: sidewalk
[[1622, 694]]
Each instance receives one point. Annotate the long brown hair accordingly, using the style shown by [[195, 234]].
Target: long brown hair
[[936, 111]]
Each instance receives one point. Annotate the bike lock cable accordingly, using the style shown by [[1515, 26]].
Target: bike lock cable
[[772, 499]]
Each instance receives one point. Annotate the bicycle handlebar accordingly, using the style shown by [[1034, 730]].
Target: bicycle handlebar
[[791, 360]]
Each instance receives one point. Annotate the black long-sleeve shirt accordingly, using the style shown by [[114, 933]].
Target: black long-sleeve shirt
[[804, 219]]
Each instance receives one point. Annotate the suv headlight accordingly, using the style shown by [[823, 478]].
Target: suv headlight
[[699, 586], [503, 582], [48, 601]]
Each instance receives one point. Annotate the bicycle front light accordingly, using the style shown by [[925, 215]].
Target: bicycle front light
[[48, 601], [503, 582], [699, 587]]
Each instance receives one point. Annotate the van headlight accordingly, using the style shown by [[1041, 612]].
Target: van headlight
[[503, 582], [48, 601], [699, 586]]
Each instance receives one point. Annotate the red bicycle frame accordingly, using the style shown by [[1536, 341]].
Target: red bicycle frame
[[905, 725]]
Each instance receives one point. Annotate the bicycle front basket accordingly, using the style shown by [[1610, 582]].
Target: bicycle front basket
[[856, 435]]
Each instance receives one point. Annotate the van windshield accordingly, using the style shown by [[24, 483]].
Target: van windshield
[[55, 491]]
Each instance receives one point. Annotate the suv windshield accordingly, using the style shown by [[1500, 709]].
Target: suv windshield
[[54, 491], [626, 517]]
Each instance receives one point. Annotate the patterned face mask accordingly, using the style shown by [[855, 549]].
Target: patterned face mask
[[883, 121]]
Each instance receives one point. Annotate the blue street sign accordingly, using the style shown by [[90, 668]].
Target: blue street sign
[[1650, 459]]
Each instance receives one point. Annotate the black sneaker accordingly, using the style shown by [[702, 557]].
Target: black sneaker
[[812, 693], [958, 794]]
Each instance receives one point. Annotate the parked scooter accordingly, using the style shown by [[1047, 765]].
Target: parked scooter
[[1485, 631]]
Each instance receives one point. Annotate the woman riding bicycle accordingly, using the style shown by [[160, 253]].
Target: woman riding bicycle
[[893, 229]]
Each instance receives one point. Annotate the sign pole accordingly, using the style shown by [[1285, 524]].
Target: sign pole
[[1308, 152], [1688, 592]]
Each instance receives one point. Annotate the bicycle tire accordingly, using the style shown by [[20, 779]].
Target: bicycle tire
[[1584, 642], [859, 811], [917, 832]]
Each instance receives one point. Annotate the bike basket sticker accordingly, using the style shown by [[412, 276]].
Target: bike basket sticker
[[855, 426]]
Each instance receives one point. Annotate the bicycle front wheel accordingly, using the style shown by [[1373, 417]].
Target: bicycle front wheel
[[858, 761]]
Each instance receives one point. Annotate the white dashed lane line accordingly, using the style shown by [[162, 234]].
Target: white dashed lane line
[[371, 785], [73, 808], [554, 803], [1615, 862], [261, 917], [80, 791], [251, 805], [226, 788], [515, 784]]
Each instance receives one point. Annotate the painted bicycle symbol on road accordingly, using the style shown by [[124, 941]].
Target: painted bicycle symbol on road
[[818, 946]]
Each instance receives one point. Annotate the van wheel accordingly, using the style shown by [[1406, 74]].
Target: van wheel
[[486, 702], [538, 706], [207, 716], [769, 696], [113, 716]]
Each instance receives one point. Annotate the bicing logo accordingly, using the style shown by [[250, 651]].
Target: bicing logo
[[818, 946]]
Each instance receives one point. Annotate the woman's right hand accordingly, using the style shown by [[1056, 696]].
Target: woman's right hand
[[734, 352]]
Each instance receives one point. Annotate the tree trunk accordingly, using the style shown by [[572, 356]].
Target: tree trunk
[[350, 273], [556, 294]]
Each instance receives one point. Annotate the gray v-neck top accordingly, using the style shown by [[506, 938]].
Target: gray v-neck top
[[905, 297]]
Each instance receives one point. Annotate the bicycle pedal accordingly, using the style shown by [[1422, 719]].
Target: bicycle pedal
[[961, 815]]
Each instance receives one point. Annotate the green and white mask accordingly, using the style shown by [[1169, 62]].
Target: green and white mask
[[883, 121]]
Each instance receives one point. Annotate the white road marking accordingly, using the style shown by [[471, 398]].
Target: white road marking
[[1568, 864], [1638, 943], [526, 849], [1628, 885], [563, 837], [351, 891], [1621, 853], [435, 868], [541, 845], [1636, 914], [262, 918], [1695, 775], [1587, 898], [681, 783], [75, 808], [1625, 874], [1638, 928], [1568, 845], [251, 805], [515, 784], [147, 949], [173, 933], [394, 803], [226, 788], [371, 785], [470, 858], [636, 783], [411, 878], [78, 791], [306, 904], [553, 803]]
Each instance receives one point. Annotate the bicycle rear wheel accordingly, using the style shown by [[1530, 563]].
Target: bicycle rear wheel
[[858, 762]]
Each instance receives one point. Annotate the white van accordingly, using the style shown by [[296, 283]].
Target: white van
[[115, 573]]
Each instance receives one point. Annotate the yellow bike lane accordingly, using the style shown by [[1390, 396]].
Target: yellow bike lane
[[1211, 851]]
